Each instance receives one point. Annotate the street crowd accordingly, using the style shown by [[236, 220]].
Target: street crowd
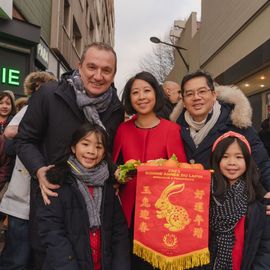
[[62, 207]]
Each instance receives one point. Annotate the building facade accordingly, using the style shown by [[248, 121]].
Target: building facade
[[49, 35], [232, 42]]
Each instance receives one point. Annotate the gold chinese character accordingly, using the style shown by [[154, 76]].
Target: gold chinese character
[[198, 232], [146, 190], [144, 214], [199, 194], [198, 206], [198, 219], [143, 227], [145, 202]]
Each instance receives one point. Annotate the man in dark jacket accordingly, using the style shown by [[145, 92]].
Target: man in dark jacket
[[59, 108], [211, 111], [172, 95]]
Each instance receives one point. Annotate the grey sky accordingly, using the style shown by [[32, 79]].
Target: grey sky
[[136, 22]]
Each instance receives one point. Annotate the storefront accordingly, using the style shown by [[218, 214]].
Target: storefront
[[252, 75], [18, 40]]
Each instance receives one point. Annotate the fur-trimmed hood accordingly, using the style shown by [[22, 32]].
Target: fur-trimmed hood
[[242, 112]]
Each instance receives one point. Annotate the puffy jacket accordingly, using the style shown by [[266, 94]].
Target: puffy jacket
[[256, 253], [235, 115], [64, 228]]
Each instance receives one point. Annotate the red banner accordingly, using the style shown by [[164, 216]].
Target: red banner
[[171, 217]]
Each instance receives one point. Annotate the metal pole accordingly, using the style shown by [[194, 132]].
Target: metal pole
[[182, 57]]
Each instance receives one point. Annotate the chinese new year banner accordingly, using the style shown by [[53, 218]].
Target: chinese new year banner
[[171, 217]]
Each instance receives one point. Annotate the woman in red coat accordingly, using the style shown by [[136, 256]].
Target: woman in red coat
[[144, 137]]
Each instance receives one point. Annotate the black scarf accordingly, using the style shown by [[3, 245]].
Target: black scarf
[[224, 215], [94, 177]]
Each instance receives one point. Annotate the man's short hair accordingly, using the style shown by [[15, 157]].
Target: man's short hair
[[100, 46], [196, 74]]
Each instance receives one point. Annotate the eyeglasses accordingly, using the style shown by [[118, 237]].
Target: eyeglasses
[[201, 92]]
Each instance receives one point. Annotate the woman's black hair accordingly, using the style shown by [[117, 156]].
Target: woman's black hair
[[251, 175], [149, 78]]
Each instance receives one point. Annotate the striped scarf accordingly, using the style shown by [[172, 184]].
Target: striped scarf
[[91, 106], [94, 177]]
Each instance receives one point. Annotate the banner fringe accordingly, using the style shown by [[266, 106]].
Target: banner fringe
[[193, 259]]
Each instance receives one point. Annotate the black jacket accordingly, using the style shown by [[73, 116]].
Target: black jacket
[[166, 109], [203, 152], [265, 137], [64, 229], [256, 253], [51, 118]]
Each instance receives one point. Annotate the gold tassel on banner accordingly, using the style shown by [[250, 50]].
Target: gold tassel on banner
[[187, 261]]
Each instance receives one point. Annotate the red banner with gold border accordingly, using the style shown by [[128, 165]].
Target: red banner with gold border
[[171, 217]]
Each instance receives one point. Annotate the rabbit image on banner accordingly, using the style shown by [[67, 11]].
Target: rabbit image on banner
[[176, 216]]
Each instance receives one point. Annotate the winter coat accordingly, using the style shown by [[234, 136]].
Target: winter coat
[[235, 115], [166, 109], [52, 117], [264, 135], [4, 164], [64, 228], [256, 253], [16, 200]]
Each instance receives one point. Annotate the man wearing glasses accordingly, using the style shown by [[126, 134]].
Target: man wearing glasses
[[206, 112]]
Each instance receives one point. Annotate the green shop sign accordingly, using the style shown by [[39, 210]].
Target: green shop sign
[[14, 67], [10, 76]]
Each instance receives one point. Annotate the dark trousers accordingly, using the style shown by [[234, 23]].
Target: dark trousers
[[38, 258], [16, 252]]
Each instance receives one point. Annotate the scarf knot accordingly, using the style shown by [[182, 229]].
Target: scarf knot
[[199, 130], [91, 106], [94, 177]]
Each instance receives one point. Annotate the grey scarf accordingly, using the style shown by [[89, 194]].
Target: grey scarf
[[199, 130], [94, 177], [91, 106]]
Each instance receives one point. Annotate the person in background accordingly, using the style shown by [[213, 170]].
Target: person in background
[[7, 111], [7, 108], [56, 111], [16, 200], [20, 103], [172, 91], [264, 134], [172, 94], [144, 137], [239, 228], [86, 207], [4, 167], [211, 111]]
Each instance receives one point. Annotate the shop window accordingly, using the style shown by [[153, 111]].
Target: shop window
[[91, 28], [66, 14], [77, 37]]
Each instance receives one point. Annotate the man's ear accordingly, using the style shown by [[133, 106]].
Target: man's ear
[[73, 149]]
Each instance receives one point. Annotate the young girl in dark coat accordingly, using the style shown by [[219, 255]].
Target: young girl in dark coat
[[84, 227], [239, 228]]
